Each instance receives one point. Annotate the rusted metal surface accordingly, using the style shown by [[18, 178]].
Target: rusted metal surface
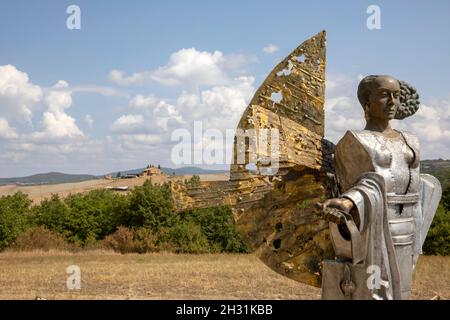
[[275, 212]]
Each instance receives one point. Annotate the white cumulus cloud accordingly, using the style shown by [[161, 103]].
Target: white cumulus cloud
[[18, 96], [6, 132], [143, 102], [189, 68], [128, 123], [56, 123], [218, 108], [431, 124], [117, 77], [193, 66]]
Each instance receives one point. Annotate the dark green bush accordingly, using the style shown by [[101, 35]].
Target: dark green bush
[[446, 199], [438, 237], [53, 214], [217, 225], [13, 217], [103, 210], [187, 237], [150, 206], [82, 218]]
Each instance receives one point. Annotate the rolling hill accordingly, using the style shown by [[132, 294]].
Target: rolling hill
[[47, 178], [438, 168], [58, 177]]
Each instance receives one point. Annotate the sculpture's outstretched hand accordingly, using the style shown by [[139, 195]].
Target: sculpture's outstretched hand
[[335, 210]]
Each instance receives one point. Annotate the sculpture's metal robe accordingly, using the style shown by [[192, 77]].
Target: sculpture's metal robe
[[395, 204]]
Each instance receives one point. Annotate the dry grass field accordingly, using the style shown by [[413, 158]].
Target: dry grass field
[[108, 275]]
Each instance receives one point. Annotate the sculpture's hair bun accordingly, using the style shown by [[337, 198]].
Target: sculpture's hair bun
[[409, 101]]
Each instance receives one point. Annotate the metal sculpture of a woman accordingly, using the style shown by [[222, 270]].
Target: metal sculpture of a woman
[[377, 222], [380, 222]]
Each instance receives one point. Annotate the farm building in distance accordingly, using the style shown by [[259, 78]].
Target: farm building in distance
[[151, 171]]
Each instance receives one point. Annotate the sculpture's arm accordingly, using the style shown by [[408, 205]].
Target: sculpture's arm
[[351, 161]]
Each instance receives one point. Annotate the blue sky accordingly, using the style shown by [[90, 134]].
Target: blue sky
[[139, 37]]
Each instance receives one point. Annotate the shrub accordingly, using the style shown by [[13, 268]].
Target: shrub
[[217, 225], [82, 218], [122, 240], [193, 181], [446, 198], [13, 217], [145, 241], [150, 206], [438, 238], [53, 214], [40, 238], [187, 237], [126, 240], [102, 209]]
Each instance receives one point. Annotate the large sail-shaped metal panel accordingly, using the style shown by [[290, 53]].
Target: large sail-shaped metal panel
[[274, 210], [282, 226]]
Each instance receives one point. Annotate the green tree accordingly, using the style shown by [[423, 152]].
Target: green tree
[[14, 212], [438, 237], [52, 213], [82, 218], [446, 198], [150, 206], [187, 237], [101, 211], [218, 226]]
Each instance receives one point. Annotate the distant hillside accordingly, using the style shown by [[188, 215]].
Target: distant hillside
[[170, 171], [190, 170], [47, 178], [57, 177], [125, 172], [438, 168]]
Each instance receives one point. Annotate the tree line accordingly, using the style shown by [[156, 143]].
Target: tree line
[[142, 221]]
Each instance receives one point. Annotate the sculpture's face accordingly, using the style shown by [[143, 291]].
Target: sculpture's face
[[384, 98]]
